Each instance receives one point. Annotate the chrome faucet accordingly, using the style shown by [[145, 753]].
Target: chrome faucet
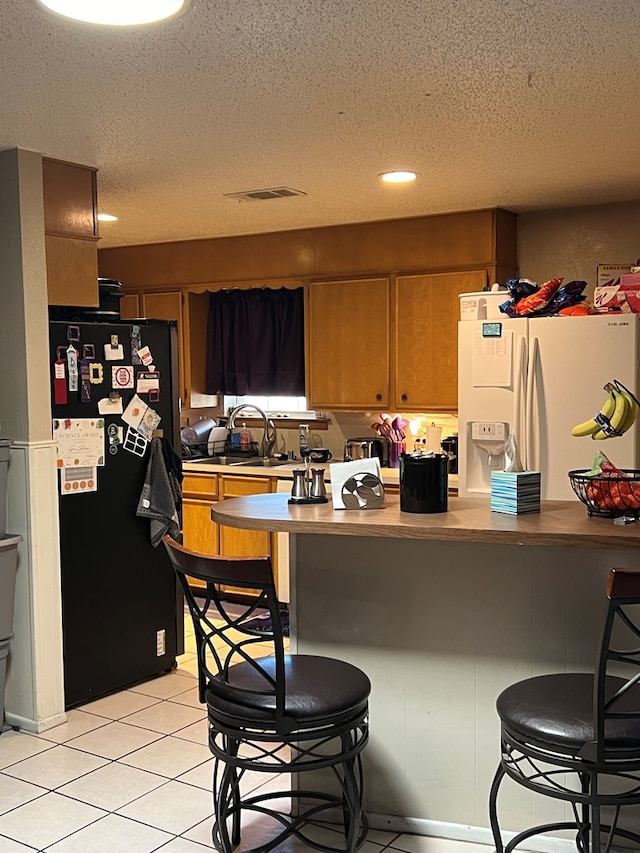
[[268, 427]]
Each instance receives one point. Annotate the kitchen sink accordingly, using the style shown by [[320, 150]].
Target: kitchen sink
[[234, 461], [259, 462]]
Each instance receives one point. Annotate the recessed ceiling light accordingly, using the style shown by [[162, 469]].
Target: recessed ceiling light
[[118, 13], [107, 217], [399, 177]]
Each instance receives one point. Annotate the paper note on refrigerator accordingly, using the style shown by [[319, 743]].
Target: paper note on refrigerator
[[492, 361]]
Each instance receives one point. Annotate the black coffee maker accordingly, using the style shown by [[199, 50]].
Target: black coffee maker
[[450, 447]]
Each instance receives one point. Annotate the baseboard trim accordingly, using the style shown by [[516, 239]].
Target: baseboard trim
[[35, 726], [461, 832]]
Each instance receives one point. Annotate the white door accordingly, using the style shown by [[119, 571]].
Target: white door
[[577, 357]]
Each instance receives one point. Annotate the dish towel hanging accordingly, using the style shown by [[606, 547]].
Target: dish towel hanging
[[161, 496]]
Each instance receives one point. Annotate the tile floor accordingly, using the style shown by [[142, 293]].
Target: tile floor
[[131, 773]]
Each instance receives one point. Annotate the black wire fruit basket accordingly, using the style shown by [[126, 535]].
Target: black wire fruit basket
[[608, 497]]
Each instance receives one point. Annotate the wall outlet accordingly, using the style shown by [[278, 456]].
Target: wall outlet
[[161, 642], [483, 431]]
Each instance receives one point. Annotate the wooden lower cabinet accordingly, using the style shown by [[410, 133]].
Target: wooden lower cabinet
[[201, 533], [235, 542]]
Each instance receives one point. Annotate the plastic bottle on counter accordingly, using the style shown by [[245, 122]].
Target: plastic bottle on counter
[[245, 438], [303, 439]]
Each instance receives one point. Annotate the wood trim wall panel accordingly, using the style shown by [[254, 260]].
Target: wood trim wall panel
[[72, 271], [472, 239]]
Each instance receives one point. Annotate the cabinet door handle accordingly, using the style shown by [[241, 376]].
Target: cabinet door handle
[[378, 396], [404, 398]]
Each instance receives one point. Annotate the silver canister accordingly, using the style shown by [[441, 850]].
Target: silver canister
[[318, 490], [299, 488]]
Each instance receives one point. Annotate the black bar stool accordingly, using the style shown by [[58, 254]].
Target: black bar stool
[[575, 737], [276, 714]]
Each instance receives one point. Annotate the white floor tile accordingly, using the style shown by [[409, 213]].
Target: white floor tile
[[55, 767], [379, 836], [201, 776], [46, 820], [175, 807], [168, 757], [78, 723], [119, 704], [191, 698], [165, 717], [112, 786], [15, 792], [112, 834], [16, 746], [162, 687], [182, 845], [7, 845], [196, 732], [190, 666], [178, 671], [114, 740]]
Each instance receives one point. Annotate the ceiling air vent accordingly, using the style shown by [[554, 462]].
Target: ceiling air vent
[[264, 195]]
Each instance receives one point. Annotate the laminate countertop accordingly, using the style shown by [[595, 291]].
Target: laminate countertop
[[559, 523]]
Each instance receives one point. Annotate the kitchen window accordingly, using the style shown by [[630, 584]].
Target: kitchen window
[[255, 342]]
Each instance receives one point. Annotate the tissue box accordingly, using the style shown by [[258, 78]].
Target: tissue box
[[515, 492]]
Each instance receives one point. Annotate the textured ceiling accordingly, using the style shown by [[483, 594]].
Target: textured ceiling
[[524, 104]]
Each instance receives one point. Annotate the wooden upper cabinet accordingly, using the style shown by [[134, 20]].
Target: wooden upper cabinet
[[347, 343], [129, 306], [70, 199], [426, 310], [71, 232]]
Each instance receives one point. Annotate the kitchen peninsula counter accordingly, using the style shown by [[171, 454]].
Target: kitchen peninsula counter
[[443, 611], [563, 523]]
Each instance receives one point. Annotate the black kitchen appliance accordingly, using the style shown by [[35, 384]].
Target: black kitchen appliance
[[122, 616], [365, 448], [450, 447]]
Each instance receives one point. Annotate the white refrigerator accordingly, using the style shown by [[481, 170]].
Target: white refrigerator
[[537, 378]]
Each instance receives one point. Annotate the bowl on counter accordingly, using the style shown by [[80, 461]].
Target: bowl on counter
[[608, 497]]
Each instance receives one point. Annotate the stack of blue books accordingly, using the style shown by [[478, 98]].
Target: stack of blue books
[[515, 492]]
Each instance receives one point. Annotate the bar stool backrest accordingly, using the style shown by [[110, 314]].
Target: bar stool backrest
[[619, 656], [224, 633]]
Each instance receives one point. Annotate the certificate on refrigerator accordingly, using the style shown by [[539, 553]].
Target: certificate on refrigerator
[[80, 442]]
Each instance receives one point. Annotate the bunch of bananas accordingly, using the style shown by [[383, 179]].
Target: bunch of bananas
[[618, 414]]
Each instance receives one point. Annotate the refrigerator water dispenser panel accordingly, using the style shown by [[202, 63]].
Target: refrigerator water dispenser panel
[[488, 431], [485, 447]]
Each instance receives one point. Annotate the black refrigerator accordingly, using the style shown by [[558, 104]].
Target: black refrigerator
[[122, 612]]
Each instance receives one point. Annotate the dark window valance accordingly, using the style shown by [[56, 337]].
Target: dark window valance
[[255, 342]]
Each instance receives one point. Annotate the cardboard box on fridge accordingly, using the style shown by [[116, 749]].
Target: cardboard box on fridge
[[608, 275], [624, 298]]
